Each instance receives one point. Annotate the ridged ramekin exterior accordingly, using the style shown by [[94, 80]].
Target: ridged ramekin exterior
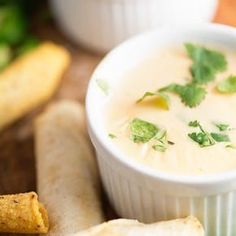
[[132, 198], [102, 24]]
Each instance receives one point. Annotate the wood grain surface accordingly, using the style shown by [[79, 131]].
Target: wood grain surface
[[17, 165]]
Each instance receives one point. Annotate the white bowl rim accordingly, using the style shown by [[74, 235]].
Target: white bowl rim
[[207, 179]]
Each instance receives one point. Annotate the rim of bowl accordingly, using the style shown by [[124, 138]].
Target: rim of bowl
[[145, 170]]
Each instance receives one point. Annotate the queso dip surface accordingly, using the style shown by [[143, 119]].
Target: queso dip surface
[[183, 156]]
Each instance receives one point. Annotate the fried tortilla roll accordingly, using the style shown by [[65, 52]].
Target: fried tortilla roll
[[189, 226], [22, 213], [68, 180], [30, 80]]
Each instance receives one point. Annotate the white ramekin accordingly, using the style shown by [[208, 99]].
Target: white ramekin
[[137, 191], [102, 24]]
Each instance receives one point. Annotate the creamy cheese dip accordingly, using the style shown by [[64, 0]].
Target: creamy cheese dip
[[185, 157]]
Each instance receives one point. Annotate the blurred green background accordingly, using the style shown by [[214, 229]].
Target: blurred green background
[[16, 37]]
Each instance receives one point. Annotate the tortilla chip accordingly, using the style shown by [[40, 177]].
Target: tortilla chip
[[30, 80], [68, 179], [189, 226], [22, 213]]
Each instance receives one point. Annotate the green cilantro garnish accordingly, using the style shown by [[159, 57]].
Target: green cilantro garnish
[[112, 136], [206, 63], [222, 127], [220, 137], [147, 94], [162, 142], [203, 138], [173, 88], [142, 131], [162, 99], [228, 85], [191, 94], [103, 85], [159, 147], [194, 123]]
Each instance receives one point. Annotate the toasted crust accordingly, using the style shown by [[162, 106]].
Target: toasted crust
[[22, 213]]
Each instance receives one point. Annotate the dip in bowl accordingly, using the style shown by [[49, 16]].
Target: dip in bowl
[[161, 112]]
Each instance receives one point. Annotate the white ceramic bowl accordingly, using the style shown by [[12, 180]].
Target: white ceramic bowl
[[102, 24], [137, 191]]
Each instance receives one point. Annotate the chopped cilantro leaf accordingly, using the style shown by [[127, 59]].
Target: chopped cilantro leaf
[[206, 63], [142, 131], [203, 138], [162, 99], [222, 127], [202, 74], [228, 85], [194, 123], [162, 142], [103, 85], [220, 137], [159, 147], [191, 94], [112, 136], [173, 88], [147, 94], [161, 136]]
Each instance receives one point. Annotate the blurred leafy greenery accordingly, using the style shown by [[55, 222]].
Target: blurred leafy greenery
[[15, 37]]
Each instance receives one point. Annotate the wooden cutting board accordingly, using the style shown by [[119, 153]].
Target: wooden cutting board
[[17, 165]]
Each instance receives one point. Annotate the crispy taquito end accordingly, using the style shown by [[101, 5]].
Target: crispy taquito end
[[22, 213]]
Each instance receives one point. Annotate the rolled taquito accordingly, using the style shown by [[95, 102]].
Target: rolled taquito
[[189, 226], [30, 80], [67, 175]]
